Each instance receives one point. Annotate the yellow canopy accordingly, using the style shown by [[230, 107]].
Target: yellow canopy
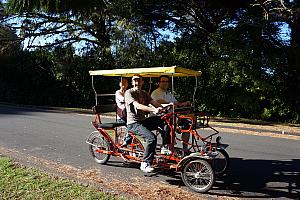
[[147, 72]]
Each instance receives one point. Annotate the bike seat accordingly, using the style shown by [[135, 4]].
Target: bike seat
[[111, 125]]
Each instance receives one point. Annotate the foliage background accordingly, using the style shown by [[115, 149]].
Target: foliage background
[[250, 69]]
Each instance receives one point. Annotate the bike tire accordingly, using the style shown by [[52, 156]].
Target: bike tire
[[198, 175], [99, 141]]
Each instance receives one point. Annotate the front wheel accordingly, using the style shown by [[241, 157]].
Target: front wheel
[[98, 142], [198, 175]]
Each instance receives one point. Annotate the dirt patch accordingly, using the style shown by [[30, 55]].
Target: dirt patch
[[135, 188]]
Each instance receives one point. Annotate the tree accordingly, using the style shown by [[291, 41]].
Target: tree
[[9, 43], [288, 12], [62, 22], [248, 69]]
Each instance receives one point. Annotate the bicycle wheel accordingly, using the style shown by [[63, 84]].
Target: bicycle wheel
[[198, 175], [220, 163], [98, 142]]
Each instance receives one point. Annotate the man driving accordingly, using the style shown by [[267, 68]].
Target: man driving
[[137, 105]]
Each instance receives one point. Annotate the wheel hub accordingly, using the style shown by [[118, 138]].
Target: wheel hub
[[198, 175]]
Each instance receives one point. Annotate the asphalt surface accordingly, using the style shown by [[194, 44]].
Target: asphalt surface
[[256, 129], [261, 167]]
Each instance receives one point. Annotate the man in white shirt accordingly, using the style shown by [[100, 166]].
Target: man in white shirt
[[163, 96]]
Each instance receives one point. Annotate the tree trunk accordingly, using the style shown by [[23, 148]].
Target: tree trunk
[[294, 63]]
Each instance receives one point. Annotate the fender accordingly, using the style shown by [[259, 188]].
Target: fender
[[220, 146], [91, 135], [192, 156], [97, 133]]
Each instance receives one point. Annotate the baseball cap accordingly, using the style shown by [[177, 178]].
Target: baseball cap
[[136, 76]]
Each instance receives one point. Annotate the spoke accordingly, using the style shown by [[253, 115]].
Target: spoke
[[200, 181], [99, 145], [191, 174], [203, 170]]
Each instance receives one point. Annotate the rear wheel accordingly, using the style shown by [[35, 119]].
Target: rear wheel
[[198, 175], [98, 142]]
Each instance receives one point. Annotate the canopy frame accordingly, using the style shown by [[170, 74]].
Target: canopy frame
[[147, 72], [150, 72]]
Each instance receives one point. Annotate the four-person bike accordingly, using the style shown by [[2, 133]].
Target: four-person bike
[[206, 157]]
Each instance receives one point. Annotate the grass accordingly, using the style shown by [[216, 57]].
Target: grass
[[21, 183]]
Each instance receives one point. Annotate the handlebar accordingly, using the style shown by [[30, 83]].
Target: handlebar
[[168, 107], [165, 109]]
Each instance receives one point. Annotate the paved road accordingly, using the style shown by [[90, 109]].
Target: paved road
[[262, 167]]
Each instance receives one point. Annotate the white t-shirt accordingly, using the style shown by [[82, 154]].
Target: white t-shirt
[[120, 101], [165, 95]]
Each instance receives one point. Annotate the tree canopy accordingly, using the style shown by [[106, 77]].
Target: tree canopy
[[248, 50]]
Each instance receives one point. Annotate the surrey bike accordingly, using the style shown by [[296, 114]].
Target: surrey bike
[[207, 156]]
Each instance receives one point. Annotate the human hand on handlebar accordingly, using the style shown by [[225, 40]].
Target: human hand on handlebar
[[168, 106], [158, 110], [164, 109]]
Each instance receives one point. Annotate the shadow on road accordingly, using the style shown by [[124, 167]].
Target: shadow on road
[[257, 179], [27, 110], [247, 178], [11, 110], [266, 178], [122, 164]]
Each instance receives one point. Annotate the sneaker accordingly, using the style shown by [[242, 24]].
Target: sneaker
[[165, 151], [146, 167]]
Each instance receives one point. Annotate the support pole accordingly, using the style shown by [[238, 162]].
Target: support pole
[[96, 98]]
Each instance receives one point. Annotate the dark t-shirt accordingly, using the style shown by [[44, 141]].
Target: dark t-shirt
[[133, 114]]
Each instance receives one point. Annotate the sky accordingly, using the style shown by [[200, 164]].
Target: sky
[[284, 34]]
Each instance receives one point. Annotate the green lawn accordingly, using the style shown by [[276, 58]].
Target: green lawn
[[22, 183]]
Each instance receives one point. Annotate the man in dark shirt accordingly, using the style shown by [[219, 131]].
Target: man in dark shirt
[[137, 105]]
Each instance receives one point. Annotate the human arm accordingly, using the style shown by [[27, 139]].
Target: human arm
[[120, 100], [139, 106], [183, 104], [155, 103], [150, 100]]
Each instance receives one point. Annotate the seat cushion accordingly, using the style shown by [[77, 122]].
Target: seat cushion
[[111, 125]]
